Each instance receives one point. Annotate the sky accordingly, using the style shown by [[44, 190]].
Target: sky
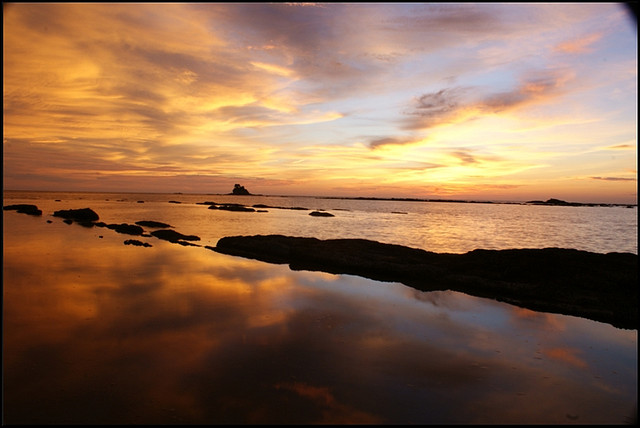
[[487, 101]]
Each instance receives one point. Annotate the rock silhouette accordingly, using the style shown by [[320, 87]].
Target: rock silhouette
[[173, 236], [239, 190], [321, 214], [136, 243], [127, 229], [601, 287], [24, 209], [80, 215]]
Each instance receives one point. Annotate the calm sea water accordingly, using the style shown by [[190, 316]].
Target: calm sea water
[[95, 331], [433, 226]]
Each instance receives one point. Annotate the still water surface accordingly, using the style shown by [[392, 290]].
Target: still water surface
[[99, 332]]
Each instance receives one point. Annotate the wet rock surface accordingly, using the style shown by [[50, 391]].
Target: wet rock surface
[[600, 287]]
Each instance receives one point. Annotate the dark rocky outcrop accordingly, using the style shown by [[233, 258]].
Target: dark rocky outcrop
[[557, 202], [321, 214], [239, 190], [153, 224], [79, 215], [601, 287], [137, 243], [127, 229], [24, 209], [173, 236], [561, 203]]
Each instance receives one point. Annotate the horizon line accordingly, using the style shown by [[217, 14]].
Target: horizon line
[[372, 198]]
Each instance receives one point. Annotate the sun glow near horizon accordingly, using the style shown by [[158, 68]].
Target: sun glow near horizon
[[469, 101]]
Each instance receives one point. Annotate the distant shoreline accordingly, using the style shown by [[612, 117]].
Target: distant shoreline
[[548, 202]]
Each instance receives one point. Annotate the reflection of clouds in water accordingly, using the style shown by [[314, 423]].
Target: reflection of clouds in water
[[114, 334], [567, 355], [542, 320], [333, 412]]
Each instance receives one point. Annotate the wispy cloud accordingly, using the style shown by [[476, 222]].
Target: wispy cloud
[[453, 105], [393, 141], [579, 45], [614, 178]]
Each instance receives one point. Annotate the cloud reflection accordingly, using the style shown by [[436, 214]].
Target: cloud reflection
[[99, 332]]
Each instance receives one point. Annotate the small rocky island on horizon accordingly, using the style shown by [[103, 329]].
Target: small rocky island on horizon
[[239, 190]]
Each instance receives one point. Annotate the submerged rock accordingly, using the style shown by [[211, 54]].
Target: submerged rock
[[601, 287], [232, 207], [24, 209], [153, 224], [280, 208]]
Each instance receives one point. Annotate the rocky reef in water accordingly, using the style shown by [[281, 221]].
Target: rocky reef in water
[[600, 287], [24, 209], [561, 203], [79, 215]]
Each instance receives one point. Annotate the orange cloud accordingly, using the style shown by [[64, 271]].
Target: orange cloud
[[580, 45]]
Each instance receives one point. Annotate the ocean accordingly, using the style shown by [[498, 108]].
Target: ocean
[[96, 331]]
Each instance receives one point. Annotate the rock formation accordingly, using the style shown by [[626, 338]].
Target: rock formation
[[601, 287], [136, 243], [321, 214], [24, 209], [239, 190], [173, 236], [80, 215]]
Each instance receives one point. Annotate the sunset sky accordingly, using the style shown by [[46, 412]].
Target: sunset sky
[[483, 101]]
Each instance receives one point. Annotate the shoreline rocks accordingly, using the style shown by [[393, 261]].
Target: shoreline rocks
[[231, 207], [173, 236], [24, 209], [600, 287], [321, 214], [137, 243], [79, 215]]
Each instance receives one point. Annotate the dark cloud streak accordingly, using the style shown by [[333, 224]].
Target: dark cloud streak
[[452, 105], [613, 178], [391, 141]]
